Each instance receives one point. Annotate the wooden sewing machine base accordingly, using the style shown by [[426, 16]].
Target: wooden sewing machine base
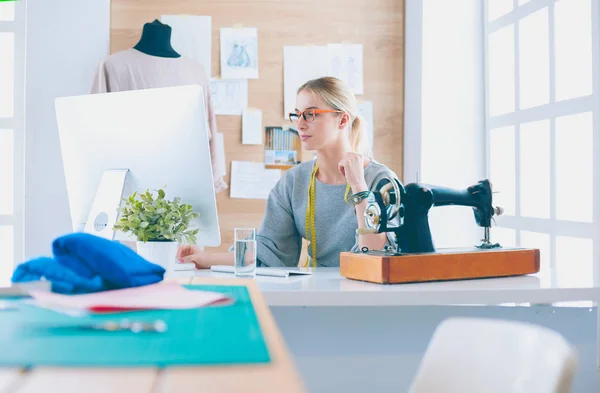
[[442, 265]]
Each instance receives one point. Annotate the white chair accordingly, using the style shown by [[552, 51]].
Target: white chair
[[478, 355]]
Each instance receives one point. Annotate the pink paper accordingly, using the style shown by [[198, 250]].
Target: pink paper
[[163, 295]]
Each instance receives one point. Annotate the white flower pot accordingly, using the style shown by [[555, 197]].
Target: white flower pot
[[159, 253]]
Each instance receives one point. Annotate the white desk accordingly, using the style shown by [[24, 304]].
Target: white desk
[[353, 336], [326, 287]]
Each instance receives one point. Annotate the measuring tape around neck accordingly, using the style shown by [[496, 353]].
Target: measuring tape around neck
[[311, 231]]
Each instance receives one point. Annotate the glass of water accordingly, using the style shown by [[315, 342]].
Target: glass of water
[[245, 252]]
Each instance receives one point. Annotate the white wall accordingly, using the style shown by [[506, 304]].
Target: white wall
[[66, 39], [444, 134]]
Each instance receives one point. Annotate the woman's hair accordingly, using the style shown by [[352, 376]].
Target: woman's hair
[[338, 95]]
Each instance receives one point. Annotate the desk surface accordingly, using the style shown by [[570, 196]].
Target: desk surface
[[278, 376], [326, 287]]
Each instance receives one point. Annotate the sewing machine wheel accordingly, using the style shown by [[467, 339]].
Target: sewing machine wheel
[[391, 195], [383, 205], [373, 214]]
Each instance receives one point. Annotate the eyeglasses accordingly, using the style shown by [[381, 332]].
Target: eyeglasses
[[310, 114]]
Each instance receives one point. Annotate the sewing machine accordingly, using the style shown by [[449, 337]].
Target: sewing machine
[[403, 210]]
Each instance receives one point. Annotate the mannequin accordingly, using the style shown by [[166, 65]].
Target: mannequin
[[156, 40], [153, 63]]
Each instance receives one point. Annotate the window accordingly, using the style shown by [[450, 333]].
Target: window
[[542, 130], [12, 90]]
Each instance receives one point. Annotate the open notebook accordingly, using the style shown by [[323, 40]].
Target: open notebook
[[266, 271]]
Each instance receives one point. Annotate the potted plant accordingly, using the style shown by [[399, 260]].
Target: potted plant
[[158, 224]]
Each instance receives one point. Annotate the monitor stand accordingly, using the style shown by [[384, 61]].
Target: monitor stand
[[104, 211]]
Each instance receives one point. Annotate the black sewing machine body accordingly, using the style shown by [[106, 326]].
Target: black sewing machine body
[[404, 210]]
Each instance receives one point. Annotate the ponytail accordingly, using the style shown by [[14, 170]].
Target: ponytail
[[359, 139]]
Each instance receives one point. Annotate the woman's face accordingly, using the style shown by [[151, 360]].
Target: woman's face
[[326, 129]]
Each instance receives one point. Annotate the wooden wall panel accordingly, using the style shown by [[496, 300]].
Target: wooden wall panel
[[377, 24]]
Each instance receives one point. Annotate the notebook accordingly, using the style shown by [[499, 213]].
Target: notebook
[[266, 271]]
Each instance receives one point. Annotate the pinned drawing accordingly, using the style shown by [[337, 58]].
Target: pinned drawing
[[337, 61], [239, 56], [337, 69], [229, 97], [239, 53], [346, 63], [352, 72]]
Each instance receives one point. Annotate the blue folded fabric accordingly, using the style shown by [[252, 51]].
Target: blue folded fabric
[[63, 280], [120, 266], [86, 263]]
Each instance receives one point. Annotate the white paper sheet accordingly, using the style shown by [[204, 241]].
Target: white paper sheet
[[229, 96], [192, 37], [346, 63], [239, 53], [251, 180], [365, 109], [338, 61], [301, 64], [252, 127], [220, 147], [163, 295]]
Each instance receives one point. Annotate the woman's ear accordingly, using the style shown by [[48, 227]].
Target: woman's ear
[[344, 120]]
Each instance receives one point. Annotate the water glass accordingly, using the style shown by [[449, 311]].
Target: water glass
[[245, 252]]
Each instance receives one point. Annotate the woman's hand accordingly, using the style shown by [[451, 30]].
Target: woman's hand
[[189, 253], [352, 167]]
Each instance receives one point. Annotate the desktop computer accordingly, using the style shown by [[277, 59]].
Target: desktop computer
[[113, 144]]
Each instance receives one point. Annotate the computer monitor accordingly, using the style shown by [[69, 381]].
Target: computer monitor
[[115, 143]]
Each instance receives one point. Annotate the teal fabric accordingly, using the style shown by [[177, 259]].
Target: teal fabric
[[227, 334]]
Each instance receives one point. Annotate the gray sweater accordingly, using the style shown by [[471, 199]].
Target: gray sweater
[[279, 239]]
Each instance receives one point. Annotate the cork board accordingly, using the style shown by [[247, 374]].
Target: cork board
[[377, 24]]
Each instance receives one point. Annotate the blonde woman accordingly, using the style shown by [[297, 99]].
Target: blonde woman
[[315, 200]]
